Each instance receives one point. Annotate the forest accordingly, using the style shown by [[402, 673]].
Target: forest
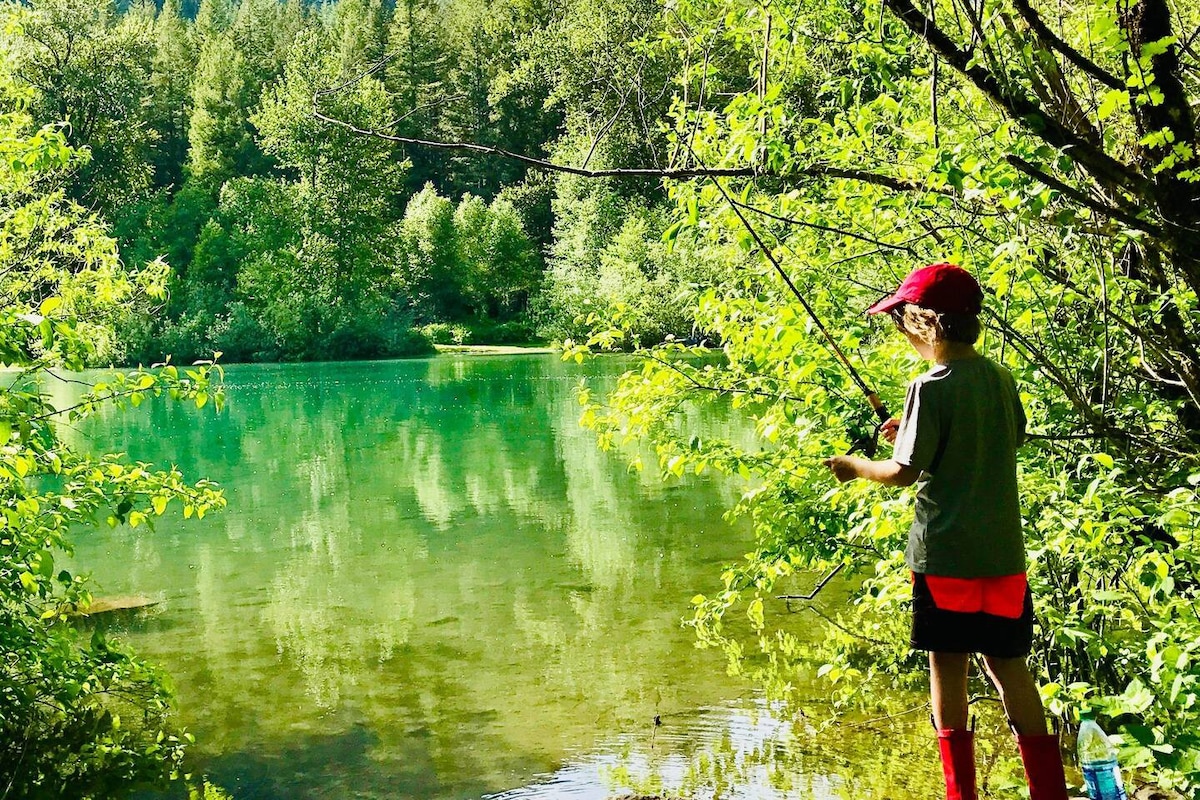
[[271, 181], [288, 239]]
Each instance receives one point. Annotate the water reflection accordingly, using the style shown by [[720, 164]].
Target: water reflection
[[429, 582]]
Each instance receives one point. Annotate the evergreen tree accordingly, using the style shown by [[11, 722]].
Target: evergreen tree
[[173, 65], [467, 116], [213, 17], [263, 31], [418, 58], [357, 33], [221, 141]]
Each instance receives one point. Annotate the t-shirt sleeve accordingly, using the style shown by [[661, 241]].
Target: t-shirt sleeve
[[920, 432]]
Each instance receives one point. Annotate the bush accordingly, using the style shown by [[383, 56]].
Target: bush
[[184, 339], [517, 331], [401, 341], [241, 338], [448, 333]]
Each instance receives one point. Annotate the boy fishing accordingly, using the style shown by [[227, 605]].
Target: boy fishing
[[957, 440]]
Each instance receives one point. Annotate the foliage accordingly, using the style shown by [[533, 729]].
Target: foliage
[[179, 113], [79, 716], [1050, 151], [1052, 159], [90, 67], [472, 262], [609, 263]]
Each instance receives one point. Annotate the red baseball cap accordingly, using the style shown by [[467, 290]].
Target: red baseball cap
[[945, 288]]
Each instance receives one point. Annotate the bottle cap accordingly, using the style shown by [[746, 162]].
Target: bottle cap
[[1086, 713]]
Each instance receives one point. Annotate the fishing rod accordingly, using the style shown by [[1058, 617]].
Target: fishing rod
[[866, 444]]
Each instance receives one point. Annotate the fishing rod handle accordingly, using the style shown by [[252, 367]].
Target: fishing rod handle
[[878, 407]]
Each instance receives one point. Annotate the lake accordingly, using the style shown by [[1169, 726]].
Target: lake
[[430, 583]]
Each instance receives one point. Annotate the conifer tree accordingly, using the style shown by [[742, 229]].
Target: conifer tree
[[221, 142], [357, 33], [213, 17], [173, 65], [418, 59]]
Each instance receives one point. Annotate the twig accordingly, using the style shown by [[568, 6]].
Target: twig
[[816, 589], [423, 106], [1074, 56], [885, 717], [733, 390], [826, 228], [1081, 198], [58, 377], [1017, 105], [843, 628]]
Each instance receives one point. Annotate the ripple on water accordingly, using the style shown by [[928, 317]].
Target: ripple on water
[[666, 759]]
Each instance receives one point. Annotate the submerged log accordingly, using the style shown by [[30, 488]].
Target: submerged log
[[108, 605]]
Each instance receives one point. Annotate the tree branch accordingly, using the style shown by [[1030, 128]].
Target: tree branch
[[805, 173], [777, 396], [816, 589], [1081, 198], [1099, 163], [1077, 58], [826, 228]]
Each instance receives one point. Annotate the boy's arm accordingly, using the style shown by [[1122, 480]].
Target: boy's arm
[[889, 473]]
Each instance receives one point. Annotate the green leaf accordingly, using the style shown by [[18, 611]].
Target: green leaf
[[29, 582], [755, 612], [1141, 734], [1113, 100]]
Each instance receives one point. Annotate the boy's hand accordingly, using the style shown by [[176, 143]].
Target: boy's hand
[[889, 428], [844, 468]]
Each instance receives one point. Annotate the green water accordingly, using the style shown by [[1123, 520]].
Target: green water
[[429, 583]]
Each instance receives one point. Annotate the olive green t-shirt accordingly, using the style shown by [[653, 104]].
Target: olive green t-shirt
[[961, 427]]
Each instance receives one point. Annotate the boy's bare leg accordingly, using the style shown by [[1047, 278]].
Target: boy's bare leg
[[1019, 692], [948, 689]]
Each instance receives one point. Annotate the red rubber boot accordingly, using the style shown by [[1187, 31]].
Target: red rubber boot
[[1043, 766], [958, 763]]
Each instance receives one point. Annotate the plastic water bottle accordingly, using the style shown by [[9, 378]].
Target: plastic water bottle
[[1098, 760]]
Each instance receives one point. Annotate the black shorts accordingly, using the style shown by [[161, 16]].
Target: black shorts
[[943, 631]]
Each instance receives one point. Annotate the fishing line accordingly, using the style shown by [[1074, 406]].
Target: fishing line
[[873, 400]]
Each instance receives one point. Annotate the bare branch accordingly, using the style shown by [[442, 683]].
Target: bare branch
[[777, 396], [826, 228], [805, 173], [1070, 53], [816, 589]]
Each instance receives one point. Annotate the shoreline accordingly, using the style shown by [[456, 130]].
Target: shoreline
[[495, 349]]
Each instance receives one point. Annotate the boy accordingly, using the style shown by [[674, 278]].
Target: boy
[[957, 439]]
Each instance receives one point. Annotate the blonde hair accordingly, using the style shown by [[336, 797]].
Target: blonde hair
[[932, 326]]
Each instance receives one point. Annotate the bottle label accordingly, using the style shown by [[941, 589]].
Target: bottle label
[[1103, 780]]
